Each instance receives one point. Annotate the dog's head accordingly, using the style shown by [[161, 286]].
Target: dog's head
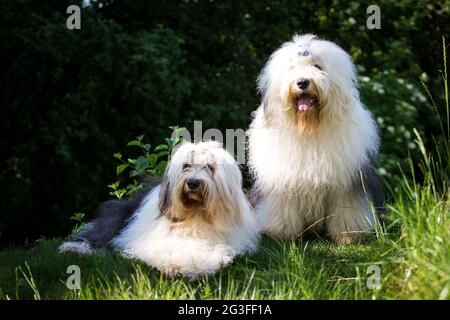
[[308, 81], [201, 178]]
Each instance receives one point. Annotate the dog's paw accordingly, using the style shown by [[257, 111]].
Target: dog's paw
[[171, 270], [79, 247], [345, 238]]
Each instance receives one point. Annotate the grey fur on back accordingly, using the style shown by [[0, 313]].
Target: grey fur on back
[[370, 183], [111, 217]]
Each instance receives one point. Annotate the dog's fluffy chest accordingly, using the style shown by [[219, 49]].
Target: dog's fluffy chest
[[282, 159]]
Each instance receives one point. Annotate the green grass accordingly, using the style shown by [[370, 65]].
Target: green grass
[[412, 251], [414, 260]]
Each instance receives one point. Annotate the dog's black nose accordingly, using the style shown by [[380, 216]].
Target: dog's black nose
[[193, 184], [303, 83]]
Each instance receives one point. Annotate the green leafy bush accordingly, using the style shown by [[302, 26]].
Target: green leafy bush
[[147, 164], [395, 103]]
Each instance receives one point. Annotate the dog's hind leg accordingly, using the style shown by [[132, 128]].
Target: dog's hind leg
[[76, 246], [112, 216], [350, 215], [349, 218], [370, 184]]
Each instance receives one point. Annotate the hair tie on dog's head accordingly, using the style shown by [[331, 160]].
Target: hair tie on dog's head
[[303, 53]]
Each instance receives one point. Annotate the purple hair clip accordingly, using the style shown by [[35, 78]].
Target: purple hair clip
[[303, 53]]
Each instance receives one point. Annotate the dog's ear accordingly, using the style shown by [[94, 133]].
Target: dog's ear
[[164, 197], [263, 87], [268, 113]]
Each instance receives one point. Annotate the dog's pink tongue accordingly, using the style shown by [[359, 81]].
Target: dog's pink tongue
[[304, 104]]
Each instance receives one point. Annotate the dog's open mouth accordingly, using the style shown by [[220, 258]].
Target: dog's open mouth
[[305, 103], [192, 198]]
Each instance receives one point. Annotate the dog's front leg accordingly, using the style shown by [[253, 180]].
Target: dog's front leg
[[281, 215]]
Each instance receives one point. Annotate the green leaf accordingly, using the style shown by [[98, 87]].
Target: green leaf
[[121, 168], [114, 185], [117, 155], [152, 158], [134, 173], [140, 165], [134, 143], [162, 154], [170, 143], [77, 216], [161, 147], [162, 166]]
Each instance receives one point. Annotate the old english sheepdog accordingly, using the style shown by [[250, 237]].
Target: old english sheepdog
[[192, 223], [313, 145]]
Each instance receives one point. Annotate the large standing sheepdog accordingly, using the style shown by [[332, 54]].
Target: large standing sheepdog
[[312, 145], [197, 220]]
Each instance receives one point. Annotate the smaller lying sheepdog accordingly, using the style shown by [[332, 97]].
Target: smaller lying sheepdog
[[197, 220], [313, 145]]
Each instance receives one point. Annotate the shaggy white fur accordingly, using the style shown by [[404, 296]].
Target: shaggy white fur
[[311, 142], [190, 231]]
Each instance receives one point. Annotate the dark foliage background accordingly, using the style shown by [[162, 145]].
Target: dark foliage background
[[71, 98]]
